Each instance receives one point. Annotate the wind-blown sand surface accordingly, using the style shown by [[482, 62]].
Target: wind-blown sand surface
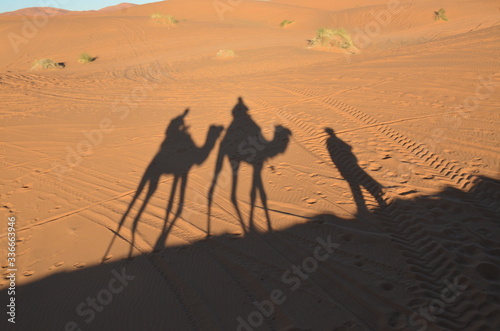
[[417, 101]]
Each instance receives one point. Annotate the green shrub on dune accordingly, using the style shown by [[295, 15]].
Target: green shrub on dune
[[332, 37], [440, 15], [46, 64], [86, 58], [226, 54], [159, 18], [284, 23]]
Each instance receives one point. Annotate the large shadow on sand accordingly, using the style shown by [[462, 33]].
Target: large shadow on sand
[[177, 155], [381, 269], [381, 276], [244, 142]]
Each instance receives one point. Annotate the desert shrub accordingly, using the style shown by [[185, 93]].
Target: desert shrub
[[326, 37], [46, 64], [156, 16], [225, 53], [169, 19], [284, 23], [159, 18], [440, 15], [86, 58]]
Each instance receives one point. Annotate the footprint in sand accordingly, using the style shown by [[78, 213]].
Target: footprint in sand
[[56, 265], [310, 201], [28, 273], [358, 263], [405, 190], [347, 236], [80, 265], [320, 194], [386, 286], [476, 162], [7, 205], [375, 167], [363, 164], [488, 271]]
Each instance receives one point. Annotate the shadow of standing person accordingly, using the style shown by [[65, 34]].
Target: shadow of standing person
[[347, 164]]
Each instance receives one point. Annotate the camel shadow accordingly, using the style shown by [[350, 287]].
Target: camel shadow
[[347, 164], [244, 142], [177, 155]]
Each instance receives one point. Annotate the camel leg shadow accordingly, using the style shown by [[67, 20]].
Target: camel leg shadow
[[258, 185], [153, 185], [218, 169], [234, 186], [160, 243]]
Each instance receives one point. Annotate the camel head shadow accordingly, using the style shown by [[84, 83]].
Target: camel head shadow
[[177, 155], [244, 142]]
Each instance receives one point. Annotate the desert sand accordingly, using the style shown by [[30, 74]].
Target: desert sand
[[366, 195]]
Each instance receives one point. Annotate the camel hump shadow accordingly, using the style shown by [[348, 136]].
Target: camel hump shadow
[[244, 142], [178, 153], [347, 164]]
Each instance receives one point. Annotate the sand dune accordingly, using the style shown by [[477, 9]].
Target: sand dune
[[50, 11], [388, 149], [37, 11]]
